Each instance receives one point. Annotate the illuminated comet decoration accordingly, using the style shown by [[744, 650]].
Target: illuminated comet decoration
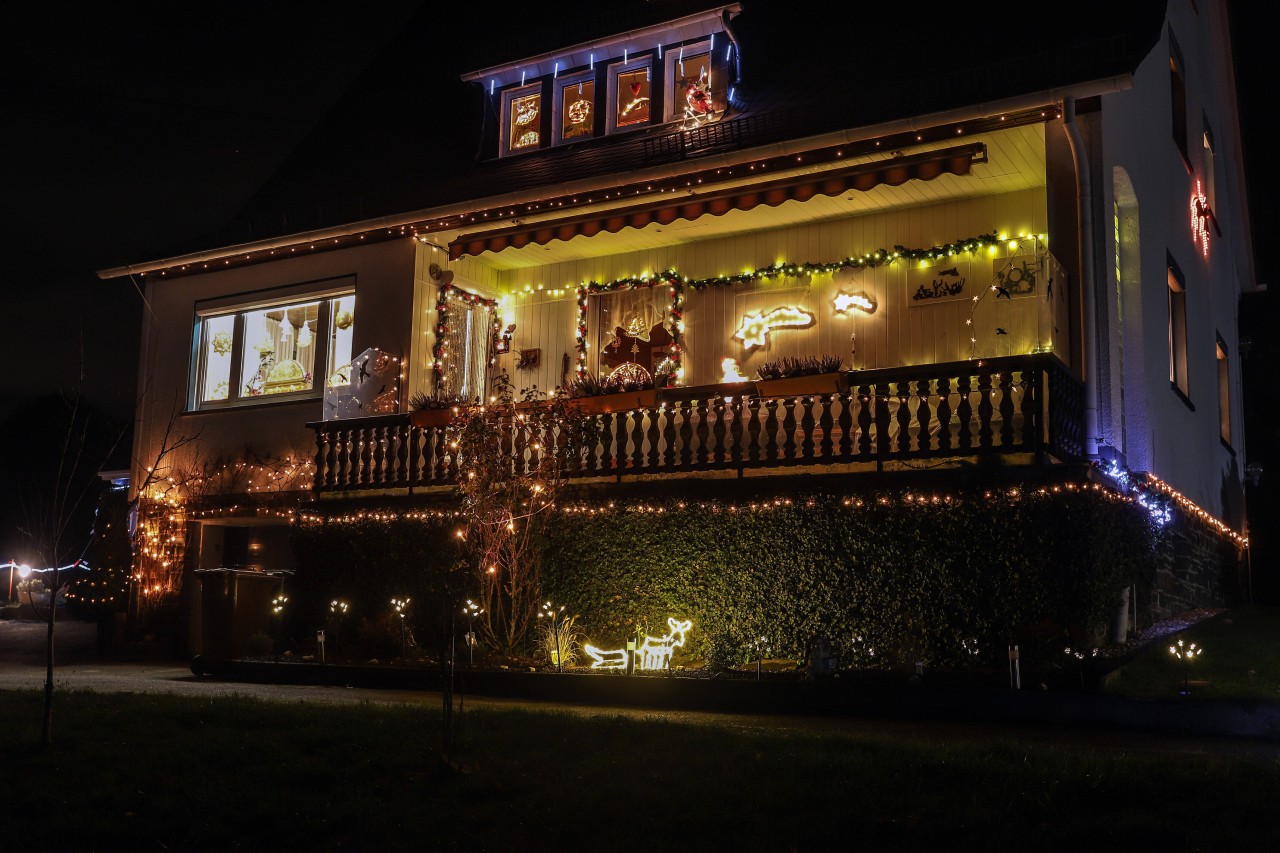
[[653, 653], [755, 328], [860, 300]]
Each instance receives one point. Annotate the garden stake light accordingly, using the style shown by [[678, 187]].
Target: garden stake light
[[554, 615], [401, 605], [1185, 653], [471, 611]]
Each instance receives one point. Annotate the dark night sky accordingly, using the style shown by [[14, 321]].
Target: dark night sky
[[130, 134]]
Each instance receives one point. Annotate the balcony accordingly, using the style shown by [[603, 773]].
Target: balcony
[[1027, 406]]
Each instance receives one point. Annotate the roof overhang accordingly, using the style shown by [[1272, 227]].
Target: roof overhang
[[688, 28]]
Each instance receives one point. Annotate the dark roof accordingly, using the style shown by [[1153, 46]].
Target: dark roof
[[805, 70]]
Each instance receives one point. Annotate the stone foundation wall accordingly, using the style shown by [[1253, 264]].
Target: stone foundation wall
[[1196, 568]]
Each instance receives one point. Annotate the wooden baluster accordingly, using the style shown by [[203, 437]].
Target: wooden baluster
[[686, 435], [702, 432], [412, 454], [984, 409], [771, 432], [637, 439], [789, 429], [319, 479], [669, 436], [866, 402], [904, 418], [964, 411], [1006, 408], [944, 415], [651, 415], [924, 441], [378, 462], [824, 423], [720, 411], [882, 421], [441, 454], [736, 410], [807, 424], [1031, 409], [847, 401], [608, 464], [752, 407], [342, 457]]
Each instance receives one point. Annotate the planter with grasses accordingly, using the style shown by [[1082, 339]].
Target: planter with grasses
[[800, 377]]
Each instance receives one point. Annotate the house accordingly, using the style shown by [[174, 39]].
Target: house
[[1033, 257]]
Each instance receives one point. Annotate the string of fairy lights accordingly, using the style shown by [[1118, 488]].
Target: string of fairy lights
[[449, 293], [677, 284]]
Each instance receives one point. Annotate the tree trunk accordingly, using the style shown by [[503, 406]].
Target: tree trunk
[[46, 730]]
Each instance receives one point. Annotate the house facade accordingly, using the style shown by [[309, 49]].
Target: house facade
[[766, 278]]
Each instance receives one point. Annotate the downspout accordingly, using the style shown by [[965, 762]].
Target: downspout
[[1084, 224]]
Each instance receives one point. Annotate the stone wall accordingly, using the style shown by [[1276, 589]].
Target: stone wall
[[1196, 568]]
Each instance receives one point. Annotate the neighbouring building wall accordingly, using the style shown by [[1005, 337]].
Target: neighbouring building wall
[[1145, 204], [901, 331], [383, 275]]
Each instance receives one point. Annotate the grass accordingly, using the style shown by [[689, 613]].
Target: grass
[[164, 772], [1241, 660]]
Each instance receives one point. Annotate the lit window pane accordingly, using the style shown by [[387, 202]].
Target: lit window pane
[[279, 349], [524, 122], [343, 311], [698, 92], [633, 97], [218, 340], [577, 109]]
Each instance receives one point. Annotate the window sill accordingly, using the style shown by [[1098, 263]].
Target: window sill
[[1227, 446], [253, 405], [1181, 396]]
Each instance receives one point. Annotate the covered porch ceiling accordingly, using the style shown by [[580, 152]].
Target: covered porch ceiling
[[1015, 160]]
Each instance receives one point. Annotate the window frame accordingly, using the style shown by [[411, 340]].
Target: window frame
[[1210, 179], [1223, 356], [639, 62], [559, 85], [509, 94], [673, 109], [1179, 368], [1178, 101], [240, 305]]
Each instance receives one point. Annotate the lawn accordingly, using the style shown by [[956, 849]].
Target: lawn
[[147, 772], [1241, 660]]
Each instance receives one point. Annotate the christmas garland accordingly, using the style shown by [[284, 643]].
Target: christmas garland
[[677, 283], [446, 294]]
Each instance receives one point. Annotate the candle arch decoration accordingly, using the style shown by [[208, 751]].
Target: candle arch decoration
[[781, 270]]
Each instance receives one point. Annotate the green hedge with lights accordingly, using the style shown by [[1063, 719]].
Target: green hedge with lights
[[885, 583]]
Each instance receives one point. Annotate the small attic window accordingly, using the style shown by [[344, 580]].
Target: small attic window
[[575, 107], [696, 82], [630, 94], [522, 119]]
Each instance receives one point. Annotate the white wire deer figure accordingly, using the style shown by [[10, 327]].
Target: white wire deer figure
[[653, 653]]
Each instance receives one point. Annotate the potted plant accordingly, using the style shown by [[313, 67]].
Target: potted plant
[[800, 377], [427, 411]]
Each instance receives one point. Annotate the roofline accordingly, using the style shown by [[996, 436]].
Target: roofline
[[1093, 88], [643, 33]]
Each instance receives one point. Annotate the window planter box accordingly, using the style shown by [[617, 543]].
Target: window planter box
[[623, 402], [707, 392], [801, 386], [432, 417]]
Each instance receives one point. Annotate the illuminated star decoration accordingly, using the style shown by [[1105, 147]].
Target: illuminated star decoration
[[860, 300], [755, 328]]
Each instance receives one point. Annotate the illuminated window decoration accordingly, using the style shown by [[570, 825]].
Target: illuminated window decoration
[[577, 112], [755, 328], [653, 654], [629, 374], [523, 116], [695, 88], [633, 98], [729, 371], [860, 300], [778, 271], [450, 323], [1200, 215]]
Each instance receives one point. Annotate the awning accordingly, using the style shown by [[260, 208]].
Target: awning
[[892, 172]]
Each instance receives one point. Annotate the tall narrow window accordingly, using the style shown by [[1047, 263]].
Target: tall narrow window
[[468, 339], [1224, 391], [1178, 331], [1210, 167], [521, 119], [1178, 95]]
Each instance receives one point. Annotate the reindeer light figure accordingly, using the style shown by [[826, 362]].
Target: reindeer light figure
[[653, 653]]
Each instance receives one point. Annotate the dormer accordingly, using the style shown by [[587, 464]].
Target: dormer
[[678, 73]]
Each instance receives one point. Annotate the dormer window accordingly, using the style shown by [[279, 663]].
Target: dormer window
[[575, 107], [522, 119], [695, 83], [630, 94]]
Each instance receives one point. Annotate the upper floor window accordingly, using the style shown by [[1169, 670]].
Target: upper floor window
[[273, 349], [1178, 96], [522, 119], [630, 94], [575, 107], [696, 83], [1224, 391], [1210, 167], [1178, 331]]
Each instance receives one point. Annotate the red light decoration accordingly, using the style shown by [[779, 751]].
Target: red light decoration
[[1200, 214]]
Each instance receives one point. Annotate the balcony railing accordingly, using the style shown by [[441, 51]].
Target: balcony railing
[[1027, 404]]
